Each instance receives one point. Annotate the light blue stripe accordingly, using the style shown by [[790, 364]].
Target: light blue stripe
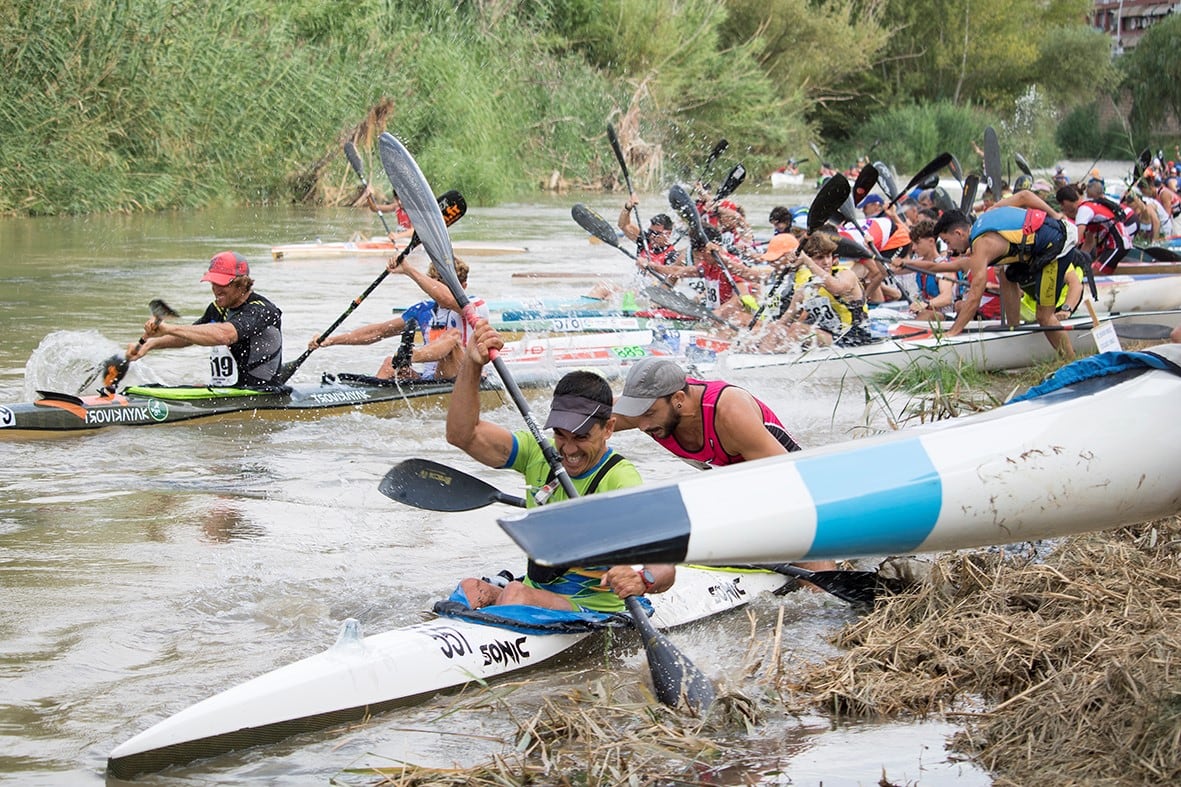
[[881, 499]]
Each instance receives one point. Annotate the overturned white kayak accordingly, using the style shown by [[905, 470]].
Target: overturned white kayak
[[1087, 456], [360, 676]]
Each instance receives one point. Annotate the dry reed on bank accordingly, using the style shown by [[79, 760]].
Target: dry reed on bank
[[1076, 658]]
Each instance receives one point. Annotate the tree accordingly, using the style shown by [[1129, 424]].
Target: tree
[[1152, 74]]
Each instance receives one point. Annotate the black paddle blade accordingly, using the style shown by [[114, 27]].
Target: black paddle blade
[[866, 180], [422, 483], [957, 171], [1143, 162], [674, 677], [594, 224], [886, 179], [1022, 164], [112, 371], [732, 182], [992, 164], [929, 182], [161, 310], [1162, 254], [350, 153], [968, 198], [828, 200], [847, 248], [858, 588], [683, 204], [1143, 332]]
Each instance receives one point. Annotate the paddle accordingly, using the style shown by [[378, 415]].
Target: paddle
[[112, 370], [668, 298], [1138, 332], [886, 179], [932, 167], [867, 178], [597, 226], [350, 152], [992, 164], [968, 198], [731, 183], [1143, 161], [858, 588], [429, 485], [1162, 254], [1022, 164], [683, 204], [828, 201], [631, 193], [956, 170], [672, 673], [452, 205], [718, 150]]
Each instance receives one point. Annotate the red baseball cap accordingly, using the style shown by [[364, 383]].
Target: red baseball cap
[[225, 267]]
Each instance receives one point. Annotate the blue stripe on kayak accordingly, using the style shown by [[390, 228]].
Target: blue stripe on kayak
[[896, 481]]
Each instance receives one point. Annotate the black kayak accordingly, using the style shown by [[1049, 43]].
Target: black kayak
[[151, 405]]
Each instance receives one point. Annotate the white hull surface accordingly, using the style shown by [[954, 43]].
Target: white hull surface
[[360, 676], [784, 180], [1081, 458], [546, 359], [984, 349], [379, 247]]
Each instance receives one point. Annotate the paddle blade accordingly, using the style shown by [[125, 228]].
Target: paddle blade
[[112, 371], [957, 171], [429, 485], [923, 176], [886, 178], [594, 224], [866, 180], [828, 201], [1143, 332], [161, 310], [968, 198], [1143, 161], [682, 203], [674, 677], [714, 154], [858, 588], [732, 182], [613, 138], [350, 152], [992, 164], [1022, 164], [847, 248]]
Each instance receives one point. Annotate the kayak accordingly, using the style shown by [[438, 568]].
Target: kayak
[[1070, 456], [535, 361], [1128, 291], [783, 180], [985, 345], [379, 247], [359, 676], [56, 413]]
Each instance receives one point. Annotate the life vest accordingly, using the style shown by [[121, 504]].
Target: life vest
[[1031, 238], [885, 234]]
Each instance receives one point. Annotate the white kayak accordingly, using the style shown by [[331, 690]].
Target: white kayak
[[379, 247], [545, 359], [359, 676], [783, 180], [1069, 460], [984, 345]]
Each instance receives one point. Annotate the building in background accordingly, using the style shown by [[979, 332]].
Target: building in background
[[1126, 20]]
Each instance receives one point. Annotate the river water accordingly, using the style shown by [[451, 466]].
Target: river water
[[145, 569]]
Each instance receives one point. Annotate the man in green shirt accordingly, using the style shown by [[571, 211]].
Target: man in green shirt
[[580, 415]]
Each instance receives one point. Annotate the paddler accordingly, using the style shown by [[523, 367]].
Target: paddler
[[582, 420], [1031, 243], [707, 423], [242, 329]]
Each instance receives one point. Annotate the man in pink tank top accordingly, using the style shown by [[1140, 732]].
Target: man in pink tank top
[[708, 423]]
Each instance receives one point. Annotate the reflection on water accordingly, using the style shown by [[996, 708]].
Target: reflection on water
[[145, 568]]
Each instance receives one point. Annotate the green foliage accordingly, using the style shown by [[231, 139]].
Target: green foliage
[[912, 135], [1152, 73], [1079, 135]]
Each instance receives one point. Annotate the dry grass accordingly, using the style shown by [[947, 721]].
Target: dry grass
[[1076, 659]]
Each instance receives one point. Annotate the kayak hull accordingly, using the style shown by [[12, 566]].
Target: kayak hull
[[1075, 460], [982, 346], [379, 247], [62, 414], [360, 676]]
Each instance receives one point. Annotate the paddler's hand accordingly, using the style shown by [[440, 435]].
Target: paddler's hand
[[483, 341], [624, 581], [393, 265], [315, 344], [135, 350]]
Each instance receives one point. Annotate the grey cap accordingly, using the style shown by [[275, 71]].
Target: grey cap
[[648, 380]]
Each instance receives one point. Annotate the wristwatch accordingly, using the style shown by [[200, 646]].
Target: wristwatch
[[646, 577]]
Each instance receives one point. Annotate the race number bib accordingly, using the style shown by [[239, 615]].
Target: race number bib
[[823, 316], [223, 368], [713, 295]]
